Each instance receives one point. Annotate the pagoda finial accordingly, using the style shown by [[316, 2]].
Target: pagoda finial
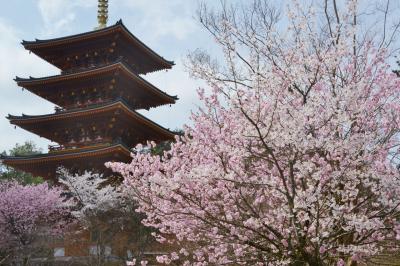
[[102, 14]]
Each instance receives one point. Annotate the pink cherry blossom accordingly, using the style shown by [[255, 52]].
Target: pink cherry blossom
[[292, 156], [26, 214]]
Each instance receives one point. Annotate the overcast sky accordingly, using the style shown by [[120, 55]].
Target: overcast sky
[[167, 26]]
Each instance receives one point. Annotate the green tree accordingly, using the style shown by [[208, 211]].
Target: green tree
[[9, 173], [165, 145]]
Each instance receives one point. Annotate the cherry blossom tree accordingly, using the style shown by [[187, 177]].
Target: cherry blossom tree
[[293, 157], [92, 202], [90, 193], [27, 213], [100, 207]]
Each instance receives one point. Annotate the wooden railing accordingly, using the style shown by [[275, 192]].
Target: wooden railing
[[94, 103], [79, 145]]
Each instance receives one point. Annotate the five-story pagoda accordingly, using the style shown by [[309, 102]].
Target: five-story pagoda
[[96, 97]]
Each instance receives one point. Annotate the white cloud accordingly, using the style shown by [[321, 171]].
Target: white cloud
[[57, 15], [175, 82], [18, 62], [161, 17]]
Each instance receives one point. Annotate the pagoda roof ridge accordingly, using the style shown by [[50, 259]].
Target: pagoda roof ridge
[[71, 38], [116, 103], [93, 71], [37, 41]]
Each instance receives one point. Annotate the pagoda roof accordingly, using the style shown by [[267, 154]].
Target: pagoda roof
[[45, 165], [30, 121], [39, 84], [43, 47]]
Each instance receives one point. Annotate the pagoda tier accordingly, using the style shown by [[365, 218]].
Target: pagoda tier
[[105, 123], [78, 160], [99, 47], [98, 85], [96, 96]]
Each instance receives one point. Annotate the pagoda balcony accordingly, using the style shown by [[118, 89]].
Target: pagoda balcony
[[85, 66], [98, 102], [97, 85], [82, 68], [85, 144], [89, 103], [110, 120]]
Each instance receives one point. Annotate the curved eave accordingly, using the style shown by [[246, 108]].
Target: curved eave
[[31, 83], [46, 165], [27, 119], [49, 157], [119, 26]]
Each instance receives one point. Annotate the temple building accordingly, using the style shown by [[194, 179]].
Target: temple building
[[97, 95]]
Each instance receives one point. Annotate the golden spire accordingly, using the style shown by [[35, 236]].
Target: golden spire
[[102, 14]]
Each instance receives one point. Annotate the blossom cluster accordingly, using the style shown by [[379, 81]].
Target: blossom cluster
[[293, 157], [26, 211]]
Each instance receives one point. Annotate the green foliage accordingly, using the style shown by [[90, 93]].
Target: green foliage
[[28, 148], [9, 173], [165, 145], [161, 147]]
